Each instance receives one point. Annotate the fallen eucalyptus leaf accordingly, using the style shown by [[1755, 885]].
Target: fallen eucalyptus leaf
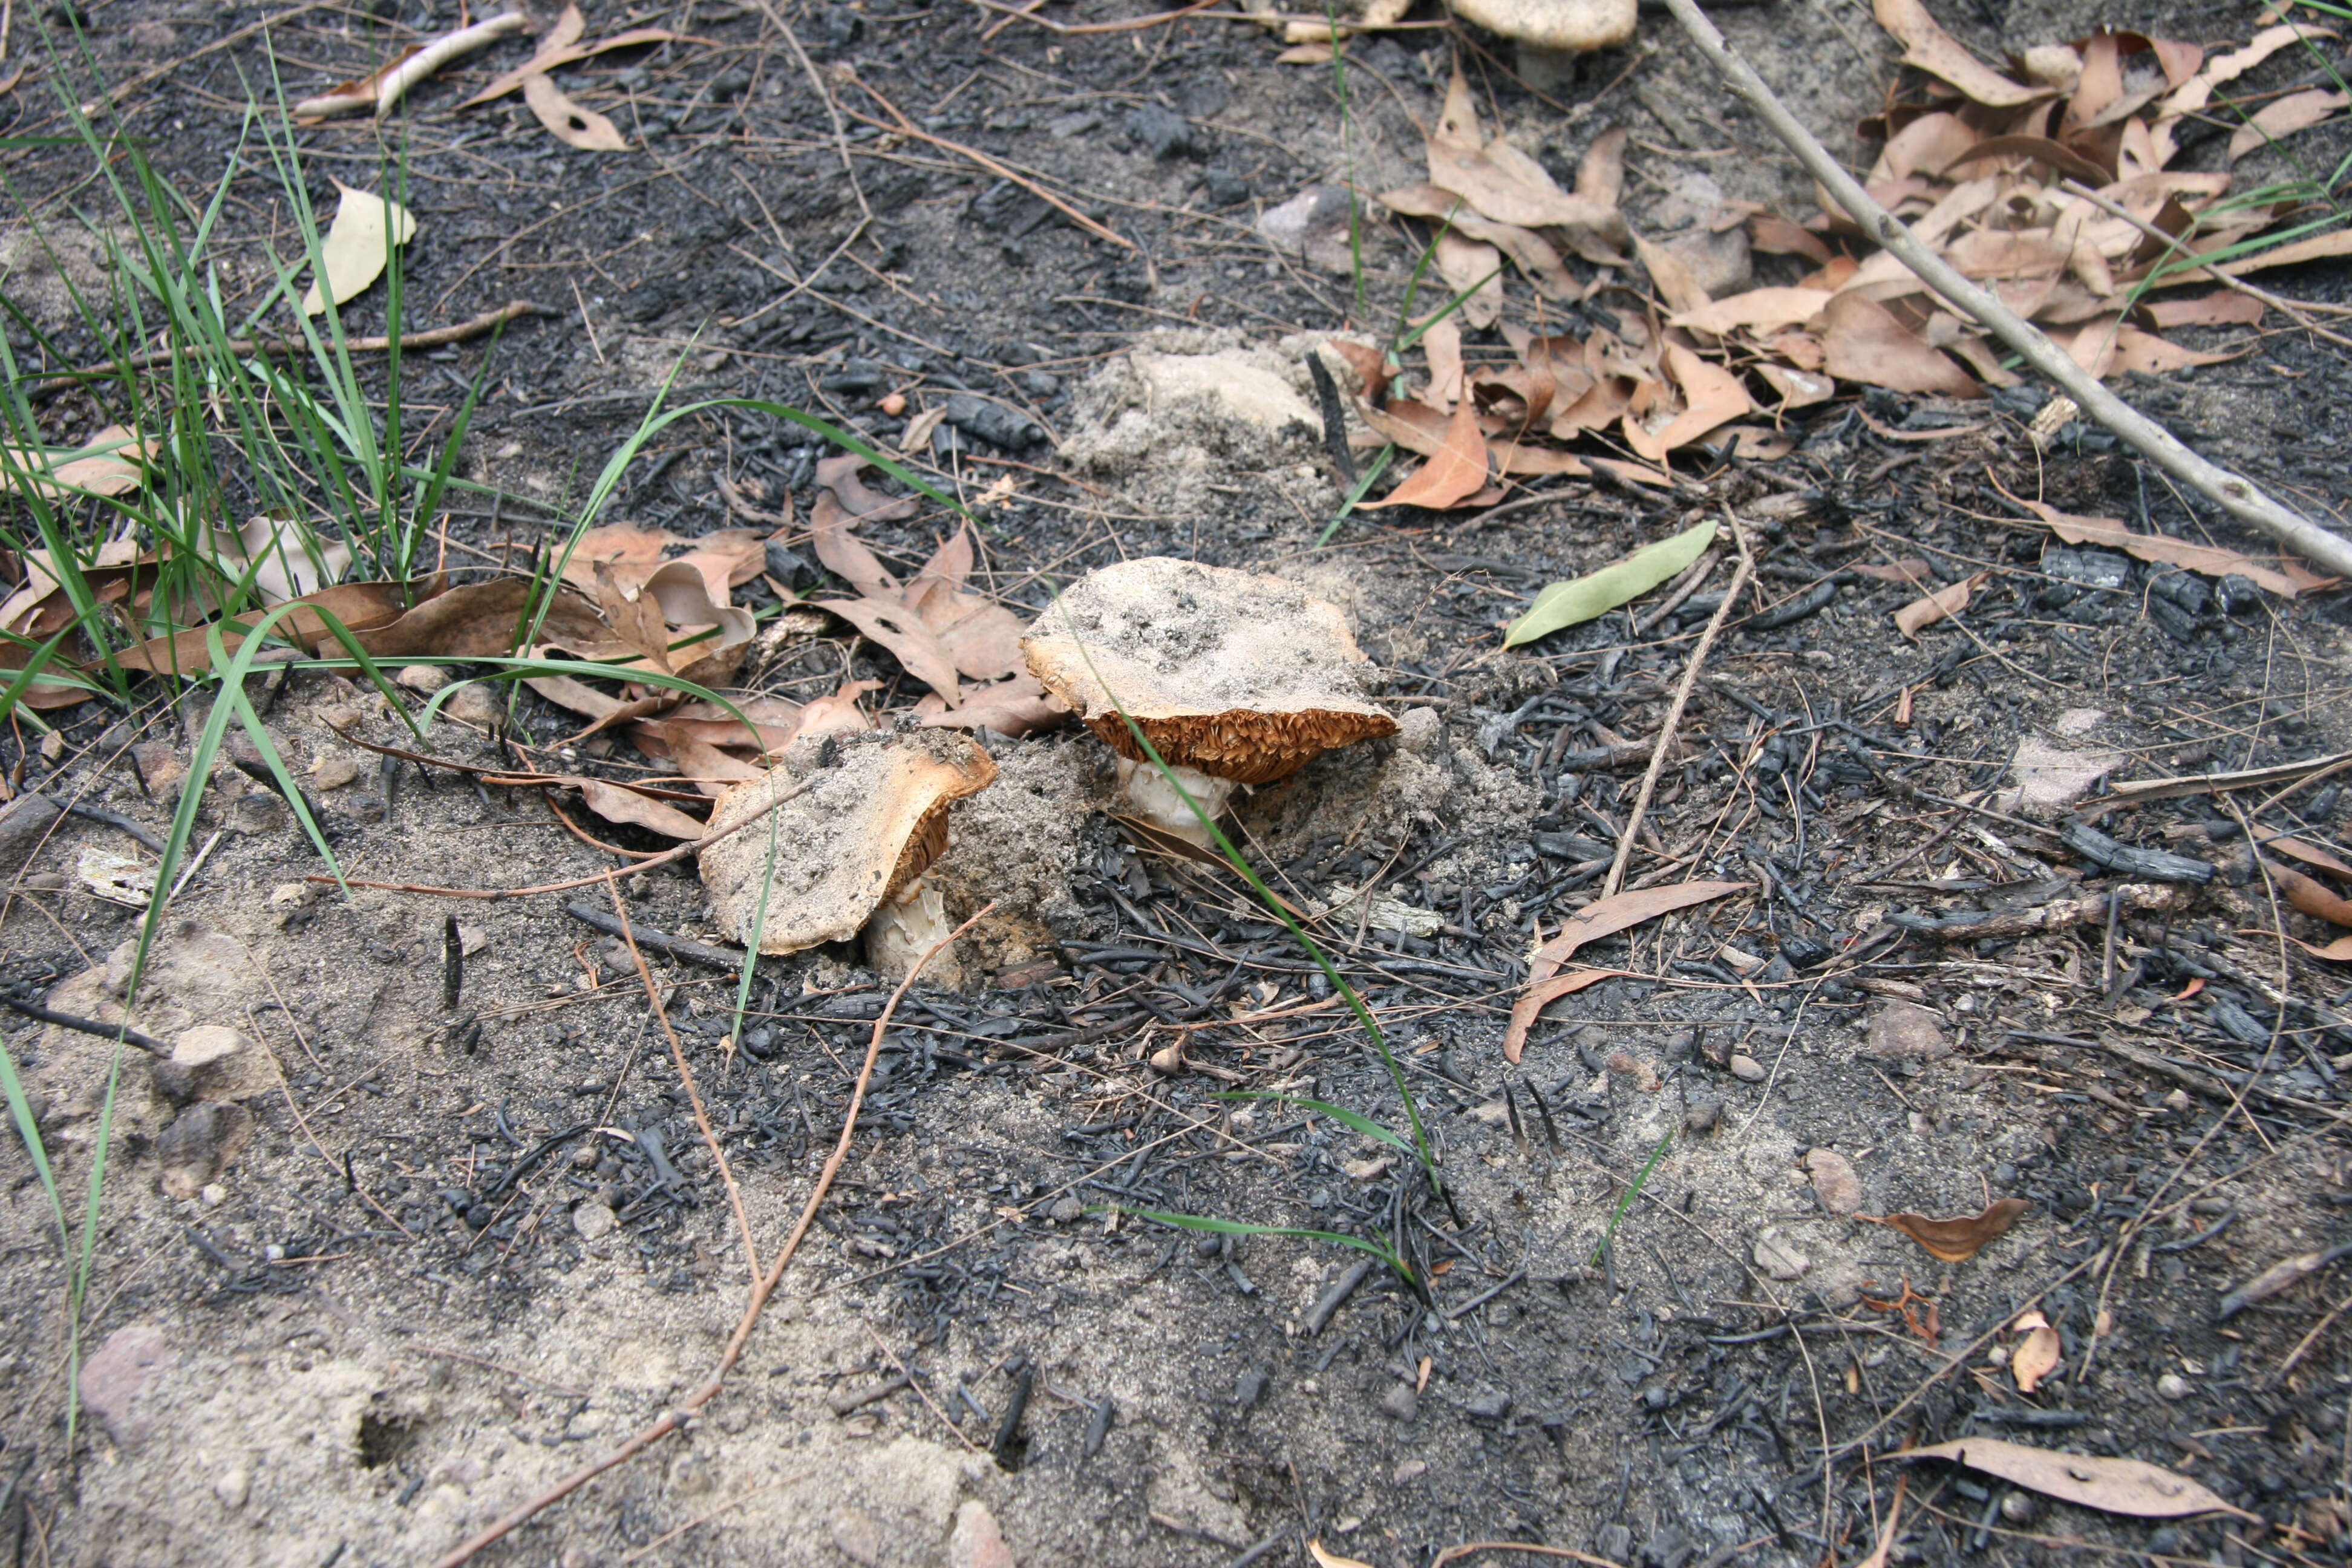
[[1570, 604], [2132, 1487], [1957, 1239], [358, 245]]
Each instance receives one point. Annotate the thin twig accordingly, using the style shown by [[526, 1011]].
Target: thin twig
[[2231, 493], [1674, 718], [489, 320], [685, 1075], [673, 1420]]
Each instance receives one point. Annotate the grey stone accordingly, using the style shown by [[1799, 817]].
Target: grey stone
[[1613, 1542], [1399, 1403], [592, 1221], [365, 809], [1701, 1115], [1068, 1209], [857, 1536], [1778, 1256], [1747, 1069], [1834, 1183], [1906, 1029], [214, 1063], [1492, 1405], [200, 1144], [1162, 130], [1250, 1388], [22, 827]]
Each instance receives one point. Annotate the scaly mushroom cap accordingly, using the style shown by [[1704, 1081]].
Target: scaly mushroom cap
[[873, 817], [1243, 676]]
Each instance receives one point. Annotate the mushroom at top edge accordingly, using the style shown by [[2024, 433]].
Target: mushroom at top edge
[[1551, 34], [849, 852], [1235, 677]]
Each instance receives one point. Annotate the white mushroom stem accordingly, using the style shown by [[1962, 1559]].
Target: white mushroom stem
[[905, 927], [1156, 801]]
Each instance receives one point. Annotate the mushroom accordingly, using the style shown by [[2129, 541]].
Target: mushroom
[[1550, 34], [849, 852], [1235, 677]]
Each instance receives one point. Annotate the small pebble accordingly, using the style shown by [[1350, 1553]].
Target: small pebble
[[2017, 1508], [1250, 1388], [333, 773], [1747, 1069], [1399, 1403], [428, 678], [1834, 1183], [1066, 1209], [1491, 1407], [2173, 1385], [1701, 1115], [366, 808], [1409, 1471], [594, 1221]]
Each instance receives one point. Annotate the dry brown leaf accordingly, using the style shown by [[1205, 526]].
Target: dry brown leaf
[[1672, 276], [838, 713], [1959, 1239], [1410, 423], [1600, 173], [361, 606], [572, 124], [1454, 474], [2036, 1356], [2337, 952], [686, 604], [844, 554], [1473, 271], [1798, 388], [1511, 457], [1712, 396], [1933, 50], [1324, 1559], [637, 618], [614, 803], [699, 764], [2209, 560], [1863, 341], [358, 245], [2310, 895], [1910, 569], [560, 46], [2309, 853], [1602, 917], [109, 463], [1371, 365], [1750, 443], [2224, 308], [902, 631], [479, 620], [1016, 707], [840, 476], [1441, 344], [630, 550], [1944, 602], [1928, 146], [1759, 309], [727, 560], [1534, 254], [1504, 184], [2131, 1486], [2284, 117], [1778, 235]]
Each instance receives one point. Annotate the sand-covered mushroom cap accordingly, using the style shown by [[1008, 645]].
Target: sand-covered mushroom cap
[[873, 818], [1560, 25], [1239, 675]]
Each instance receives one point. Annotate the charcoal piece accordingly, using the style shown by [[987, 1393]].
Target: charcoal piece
[[1163, 132], [2187, 590], [2153, 864], [1811, 601], [2238, 594], [787, 566], [2089, 568], [2176, 623], [992, 422]]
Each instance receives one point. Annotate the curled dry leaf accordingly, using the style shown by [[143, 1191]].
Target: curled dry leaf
[[1955, 1240], [1502, 182], [1944, 602], [1756, 309], [1328, 1559], [2036, 1356], [358, 245], [900, 630], [2279, 1277], [839, 475], [2309, 853], [1472, 270], [1934, 51], [2131, 1486], [381, 90], [1602, 917], [572, 124], [1862, 339], [1016, 707], [1910, 569]]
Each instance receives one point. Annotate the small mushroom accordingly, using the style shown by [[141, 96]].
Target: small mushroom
[[849, 853], [1550, 34], [1236, 679]]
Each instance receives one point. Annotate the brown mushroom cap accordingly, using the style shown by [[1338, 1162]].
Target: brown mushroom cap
[[870, 823], [1240, 674]]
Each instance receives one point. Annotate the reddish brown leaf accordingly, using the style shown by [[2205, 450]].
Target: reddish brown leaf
[[1712, 396], [1371, 365], [1944, 602], [1453, 475], [2309, 853], [1777, 235], [1759, 309], [839, 475], [2223, 308], [901, 631], [361, 606], [1019, 706], [1508, 186], [480, 620], [2310, 895], [2130, 1486], [1600, 173], [2284, 117], [2209, 560], [1955, 1240], [842, 553], [1910, 569]]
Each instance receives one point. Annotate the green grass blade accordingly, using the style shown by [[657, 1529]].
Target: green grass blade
[[1339, 1113], [1632, 1191]]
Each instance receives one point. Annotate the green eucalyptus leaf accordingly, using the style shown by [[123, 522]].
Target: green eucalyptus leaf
[[1573, 603]]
